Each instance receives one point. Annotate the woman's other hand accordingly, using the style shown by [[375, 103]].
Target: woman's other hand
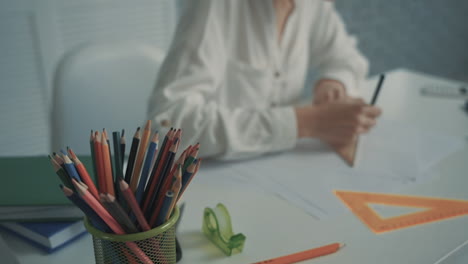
[[326, 91]]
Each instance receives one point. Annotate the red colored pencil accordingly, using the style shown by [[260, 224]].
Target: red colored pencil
[[99, 165], [131, 201], [83, 173]]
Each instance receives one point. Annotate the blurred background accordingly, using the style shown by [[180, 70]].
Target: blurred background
[[429, 36]]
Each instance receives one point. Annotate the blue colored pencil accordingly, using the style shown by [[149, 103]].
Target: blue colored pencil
[[188, 173], [161, 218], [152, 181], [150, 154], [70, 167]]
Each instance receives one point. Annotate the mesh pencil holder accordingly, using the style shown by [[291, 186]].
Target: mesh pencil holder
[[157, 245]]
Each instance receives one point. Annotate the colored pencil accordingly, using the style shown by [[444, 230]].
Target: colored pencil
[[109, 220], [160, 219], [97, 207], [122, 147], [104, 132], [130, 198], [174, 183], [83, 173], [304, 255], [162, 178], [140, 156], [168, 165], [147, 166], [70, 167], [178, 134], [118, 165], [135, 207], [167, 185], [60, 171], [58, 159], [109, 182], [180, 161], [119, 214], [101, 178], [132, 155], [153, 180], [175, 188], [188, 173], [184, 187], [97, 222], [93, 154], [117, 155], [192, 156]]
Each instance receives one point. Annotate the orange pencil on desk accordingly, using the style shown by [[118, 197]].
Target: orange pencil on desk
[[304, 255]]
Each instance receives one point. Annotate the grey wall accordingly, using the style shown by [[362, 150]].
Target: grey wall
[[430, 36], [34, 35], [425, 35]]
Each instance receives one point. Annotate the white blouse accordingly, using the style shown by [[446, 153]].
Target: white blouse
[[228, 83]]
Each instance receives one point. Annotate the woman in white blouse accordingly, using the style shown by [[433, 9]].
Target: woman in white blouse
[[236, 69]]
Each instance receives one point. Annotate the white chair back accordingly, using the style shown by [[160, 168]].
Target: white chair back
[[102, 85]]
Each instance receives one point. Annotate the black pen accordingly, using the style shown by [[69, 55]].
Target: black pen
[[377, 90]]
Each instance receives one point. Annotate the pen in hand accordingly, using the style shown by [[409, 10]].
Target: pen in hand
[[377, 89]]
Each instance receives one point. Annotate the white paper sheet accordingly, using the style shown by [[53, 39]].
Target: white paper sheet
[[434, 147], [392, 157]]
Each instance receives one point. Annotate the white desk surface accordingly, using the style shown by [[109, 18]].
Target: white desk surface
[[273, 227]]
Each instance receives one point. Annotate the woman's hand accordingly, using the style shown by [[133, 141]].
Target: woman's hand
[[336, 122], [326, 91]]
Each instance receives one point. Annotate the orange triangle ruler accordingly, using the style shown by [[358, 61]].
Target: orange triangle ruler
[[436, 209]]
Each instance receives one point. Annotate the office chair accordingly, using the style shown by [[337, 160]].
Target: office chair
[[102, 85]]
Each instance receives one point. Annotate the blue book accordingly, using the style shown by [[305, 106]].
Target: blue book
[[49, 236]]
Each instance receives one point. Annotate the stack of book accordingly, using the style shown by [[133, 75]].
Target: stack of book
[[48, 236], [30, 210]]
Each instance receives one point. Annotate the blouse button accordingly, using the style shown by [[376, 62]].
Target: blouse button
[[165, 123], [277, 74]]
